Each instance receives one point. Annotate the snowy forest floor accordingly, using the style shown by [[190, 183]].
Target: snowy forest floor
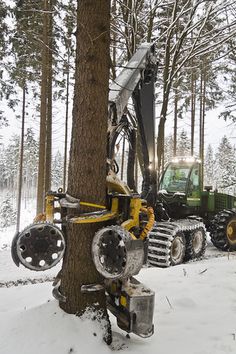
[[195, 311]]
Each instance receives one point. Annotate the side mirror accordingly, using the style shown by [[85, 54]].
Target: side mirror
[[208, 188]]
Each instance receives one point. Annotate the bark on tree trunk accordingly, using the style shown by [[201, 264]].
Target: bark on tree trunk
[[43, 116], [66, 122], [175, 119], [193, 109], [20, 176], [203, 120], [87, 166], [122, 159], [200, 114], [48, 156], [113, 39]]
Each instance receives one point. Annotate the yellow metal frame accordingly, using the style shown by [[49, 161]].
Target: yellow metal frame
[[105, 215], [135, 207], [88, 219], [50, 207]]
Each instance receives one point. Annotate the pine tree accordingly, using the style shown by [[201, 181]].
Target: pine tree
[[30, 160], [57, 171], [168, 148], [209, 168], [25, 42], [3, 29], [183, 144], [228, 75], [3, 52], [225, 166], [67, 40], [2, 168], [11, 162], [7, 212]]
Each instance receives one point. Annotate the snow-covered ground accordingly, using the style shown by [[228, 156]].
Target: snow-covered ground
[[195, 311]]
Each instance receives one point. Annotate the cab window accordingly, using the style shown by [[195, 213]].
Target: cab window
[[194, 182], [175, 178]]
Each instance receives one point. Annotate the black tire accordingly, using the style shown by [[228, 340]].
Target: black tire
[[166, 245], [195, 244], [177, 249], [223, 230]]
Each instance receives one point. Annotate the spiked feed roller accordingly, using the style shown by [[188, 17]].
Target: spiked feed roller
[[39, 246]]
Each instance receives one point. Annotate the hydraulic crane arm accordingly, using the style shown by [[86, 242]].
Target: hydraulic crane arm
[[124, 85], [136, 81]]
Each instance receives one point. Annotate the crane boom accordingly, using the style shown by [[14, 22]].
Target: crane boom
[[137, 81]]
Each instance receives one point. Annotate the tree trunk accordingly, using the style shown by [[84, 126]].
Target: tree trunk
[[201, 125], [66, 121], [113, 40], [175, 118], [20, 177], [43, 116], [203, 120], [122, 159], [167, 83], [193, 109], [87, 166], [48, 155]]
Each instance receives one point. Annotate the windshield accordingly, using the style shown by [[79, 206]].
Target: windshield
[[175, 178]]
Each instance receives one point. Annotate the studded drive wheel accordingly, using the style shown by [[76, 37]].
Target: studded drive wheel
[[195, 244], [177, 250], [167, 241], [223, 230]]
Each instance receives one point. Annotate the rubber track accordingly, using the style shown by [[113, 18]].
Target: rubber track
[[161, 237]]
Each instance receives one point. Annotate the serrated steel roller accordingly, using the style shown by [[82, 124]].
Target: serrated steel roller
[[40, 246]]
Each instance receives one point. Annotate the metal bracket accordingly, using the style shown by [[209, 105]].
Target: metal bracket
[[70, 202], [89, 288], [56, 291]]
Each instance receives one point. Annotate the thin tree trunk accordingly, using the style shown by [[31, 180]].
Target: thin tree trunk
[[193, 109], [125, 8], [87, 166], [175, 120], [123, 159], [167, 82], [66, 122], [43, 116], [113, 37], [48, 156], [151, 23], [20, 177], [203, 121], [200, 117]]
